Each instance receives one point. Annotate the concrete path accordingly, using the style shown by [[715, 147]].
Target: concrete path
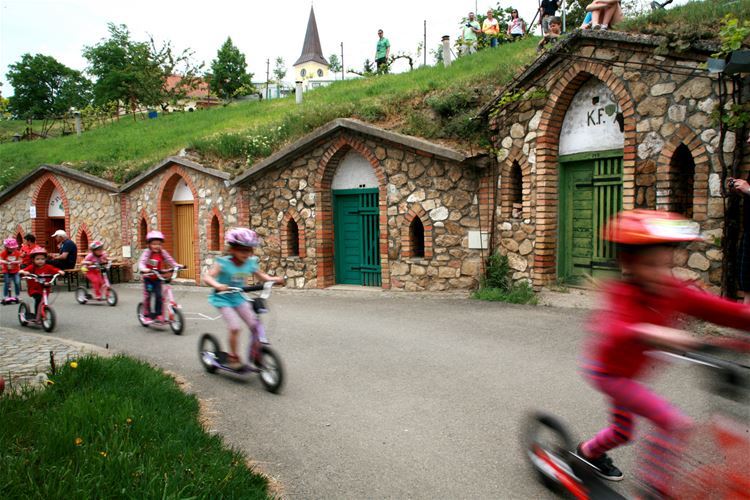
[[387, 395]]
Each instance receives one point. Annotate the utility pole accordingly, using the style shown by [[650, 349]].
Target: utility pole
[[424, 43], [268, 76], [343, 68]]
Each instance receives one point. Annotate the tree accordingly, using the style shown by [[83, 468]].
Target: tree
[[279, 72], [229, 71], [44, 87], [576, 13], [334, 64]]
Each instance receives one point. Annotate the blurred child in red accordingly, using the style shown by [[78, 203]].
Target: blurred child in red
[[39, 267]]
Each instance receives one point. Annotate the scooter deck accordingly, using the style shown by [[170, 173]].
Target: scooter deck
[[597, 488], [223, 359]]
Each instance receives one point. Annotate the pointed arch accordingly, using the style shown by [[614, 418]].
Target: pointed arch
[[409, 233], [83, 240], [684, 146], [20, 233], [324, 208], [564, 88], [40, 225], [515, 186], [215, 231], [142, 229], [292, 235]]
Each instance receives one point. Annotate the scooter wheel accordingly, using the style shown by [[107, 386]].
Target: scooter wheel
[[23, 311], [139, 312], [48, 323], [208, 346], [547, 440], [81, 295], [111, 297], [271, 370], [178, 322]]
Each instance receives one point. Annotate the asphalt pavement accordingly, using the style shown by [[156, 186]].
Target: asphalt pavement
[[387, 395]]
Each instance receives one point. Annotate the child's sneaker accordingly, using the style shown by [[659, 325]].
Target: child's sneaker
[[146, 320], [233, 362], [603, 466]]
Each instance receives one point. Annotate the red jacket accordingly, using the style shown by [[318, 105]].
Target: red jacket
[[35, 288], [26, 249], [616, 349], [15, 257]]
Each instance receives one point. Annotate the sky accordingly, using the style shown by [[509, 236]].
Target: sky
[[262, 30]]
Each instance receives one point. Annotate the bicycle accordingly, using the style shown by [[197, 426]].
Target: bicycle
[[171, 313], [106, 293], [45, 316], [550, 447], [263, 359]]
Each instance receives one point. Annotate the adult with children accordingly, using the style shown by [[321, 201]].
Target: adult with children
[[469, 36], [491, 28], [382, 52], [66, 258], [605, 13], [547, 10], [516, 26]]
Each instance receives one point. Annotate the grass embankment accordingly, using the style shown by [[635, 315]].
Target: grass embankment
[[431, 102], [115, 428]]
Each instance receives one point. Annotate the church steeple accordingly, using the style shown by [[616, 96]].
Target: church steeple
[[311, 50]]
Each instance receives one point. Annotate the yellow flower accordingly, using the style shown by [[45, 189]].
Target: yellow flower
[[129, 421], [49, 382], [103, 453], [78, 441], [73, 364]]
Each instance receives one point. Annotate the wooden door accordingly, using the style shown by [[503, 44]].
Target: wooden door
[[357, 237], [53, 224], [183, 238]]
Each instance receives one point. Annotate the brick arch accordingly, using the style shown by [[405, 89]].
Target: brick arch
[[324, 234], [562, 93], [506, 195], [141, 235], [416, 211], [40, 225], [20, 233], [293, 214], [217, 245], [83, 239], [165, 212], [684, 135]]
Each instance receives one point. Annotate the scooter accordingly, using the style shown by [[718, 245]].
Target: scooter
[[171, 313], [46, 315], [263, 359], [550, 448], [106, 294]]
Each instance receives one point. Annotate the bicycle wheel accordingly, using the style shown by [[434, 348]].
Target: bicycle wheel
[[81, 295], [548, 445], [111, 297], [139, 311], [178, 322], [48, 323], [271, 370], [208, 346], [23, 311]]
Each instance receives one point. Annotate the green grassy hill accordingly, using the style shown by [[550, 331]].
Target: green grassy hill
[[432, 102]]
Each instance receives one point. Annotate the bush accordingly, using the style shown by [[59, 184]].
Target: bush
[[448, 105], [498, 286]]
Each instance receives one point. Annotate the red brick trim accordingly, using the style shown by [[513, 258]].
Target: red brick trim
[[47, 184], [83, 246], [416, 211], [218, 245], [294, 215], [143, 217], [506, 188], [324, 234], [169, 181], [544, 266], [684, 135], [243, 207], [20, 232]]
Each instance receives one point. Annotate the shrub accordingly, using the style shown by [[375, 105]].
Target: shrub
[[497, 284]]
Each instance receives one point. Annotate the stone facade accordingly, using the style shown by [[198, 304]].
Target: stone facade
[[441, 193], [89, 209], [663, 103]]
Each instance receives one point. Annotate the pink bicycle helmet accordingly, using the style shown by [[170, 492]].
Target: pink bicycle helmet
[[96, 245], [154, 235], [37, 250], [242, 237], [10, 243]]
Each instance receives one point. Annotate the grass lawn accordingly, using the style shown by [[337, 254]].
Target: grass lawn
[[115, 428], [122, 150], [696, 20]]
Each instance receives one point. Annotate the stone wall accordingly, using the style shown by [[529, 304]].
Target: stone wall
[[88, 210], [665, 101], [441, 193]]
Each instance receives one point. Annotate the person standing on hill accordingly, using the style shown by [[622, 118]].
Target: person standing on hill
[[382, 51], [516, 26], [547, 10], [470, 31], [491, 28]]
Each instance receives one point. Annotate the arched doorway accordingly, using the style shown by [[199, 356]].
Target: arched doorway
[[177, 220], [591, 178], [356, 222], [51, 209]]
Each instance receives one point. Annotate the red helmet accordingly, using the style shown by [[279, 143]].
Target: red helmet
[[37, 251], [650, 227], [96, 245]]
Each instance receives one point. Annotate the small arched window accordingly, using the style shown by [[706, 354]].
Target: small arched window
[[515, 190], [142, 232], [214, 236], [19, 239], [681, 181], [292, 238], [83, 244], [416, 237]]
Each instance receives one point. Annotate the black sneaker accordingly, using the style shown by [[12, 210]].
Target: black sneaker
[[603, 466]]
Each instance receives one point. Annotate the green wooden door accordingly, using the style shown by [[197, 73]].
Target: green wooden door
[[356, 220], [590, 194]]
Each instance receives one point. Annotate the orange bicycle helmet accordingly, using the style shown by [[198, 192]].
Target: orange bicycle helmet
[[650, 227]]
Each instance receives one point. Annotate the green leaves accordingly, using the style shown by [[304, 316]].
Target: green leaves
[[229, 71], [733, 34]]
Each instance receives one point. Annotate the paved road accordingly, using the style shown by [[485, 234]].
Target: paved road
[[387, 395]]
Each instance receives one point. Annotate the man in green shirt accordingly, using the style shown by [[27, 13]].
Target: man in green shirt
[[382, 52], [470, 30]]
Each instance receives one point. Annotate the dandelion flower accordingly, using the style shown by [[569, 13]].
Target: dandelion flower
[[129, 420], [74, 364], [103, 453], [78, 441]]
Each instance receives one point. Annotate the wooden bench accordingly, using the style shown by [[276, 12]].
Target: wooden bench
[[71, 275]]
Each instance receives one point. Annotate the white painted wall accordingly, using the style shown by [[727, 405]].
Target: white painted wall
[[182, 192], [354, 172], [55, 208], [590, 123]]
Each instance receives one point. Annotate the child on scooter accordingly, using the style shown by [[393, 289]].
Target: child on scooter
[[10, 258], [97, 257], [39, 266], [638, 316], [233, 271], [154, 259]]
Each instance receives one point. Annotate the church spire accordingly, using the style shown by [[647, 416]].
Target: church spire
[[311, 50]]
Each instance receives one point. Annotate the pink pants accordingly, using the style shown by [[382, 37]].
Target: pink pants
[[96, 280], [235, 316], [661, 450]]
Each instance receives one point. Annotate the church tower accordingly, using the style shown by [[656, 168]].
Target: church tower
[[311, 65]]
